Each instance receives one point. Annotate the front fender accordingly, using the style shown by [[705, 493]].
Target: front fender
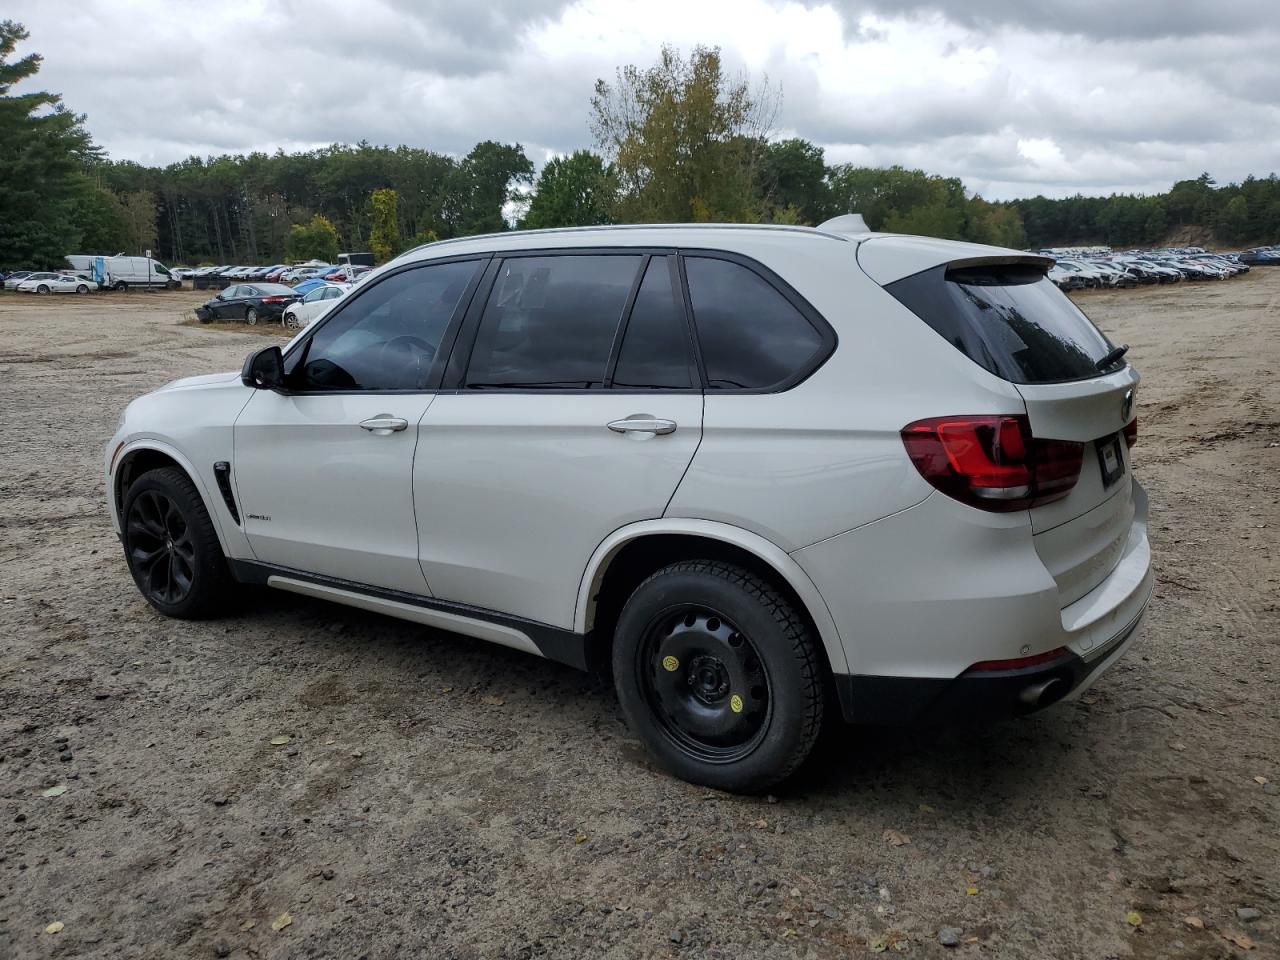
[[753, 543], [230, 537]]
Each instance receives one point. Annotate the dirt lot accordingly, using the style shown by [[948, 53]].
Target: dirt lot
[[442, 798]]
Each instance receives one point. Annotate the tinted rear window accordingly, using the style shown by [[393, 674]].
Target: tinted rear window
[[1009, 319]]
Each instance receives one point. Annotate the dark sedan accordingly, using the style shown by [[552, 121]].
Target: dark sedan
[[249, 302]]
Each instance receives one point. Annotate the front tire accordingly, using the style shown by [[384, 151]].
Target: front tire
[[291, 321], [171, 547], [82, 289], [121, 287], [43, 288], [251, 317], [719, 675]]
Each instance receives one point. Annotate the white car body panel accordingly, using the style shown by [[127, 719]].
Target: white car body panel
[[510, 505], [302, 457]]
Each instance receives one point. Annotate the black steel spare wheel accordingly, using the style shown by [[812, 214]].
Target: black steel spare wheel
[[160, 547], [705, 683], [720, 675], [171, 546]]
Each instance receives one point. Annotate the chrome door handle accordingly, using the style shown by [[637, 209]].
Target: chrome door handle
[[383, 424], [643, 423]]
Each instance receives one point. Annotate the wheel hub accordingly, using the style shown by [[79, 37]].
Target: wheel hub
[[708, 679], [705, 683]]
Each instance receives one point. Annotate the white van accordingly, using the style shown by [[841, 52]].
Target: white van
[[121, 272]]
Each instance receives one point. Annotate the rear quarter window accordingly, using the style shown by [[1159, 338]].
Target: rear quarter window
[[751, 336], [1009, 319]]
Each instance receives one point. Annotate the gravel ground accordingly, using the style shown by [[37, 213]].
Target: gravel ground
[[440, 798]]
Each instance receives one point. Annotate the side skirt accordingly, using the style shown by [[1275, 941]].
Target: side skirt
[[531, 636]]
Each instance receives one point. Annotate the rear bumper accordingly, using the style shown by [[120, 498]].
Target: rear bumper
[[977, 696], [923, 595]]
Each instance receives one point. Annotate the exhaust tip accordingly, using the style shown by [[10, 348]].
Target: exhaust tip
[[1044, 693]]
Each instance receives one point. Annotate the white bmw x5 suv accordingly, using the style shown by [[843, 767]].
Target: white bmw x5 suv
[[766, 475]]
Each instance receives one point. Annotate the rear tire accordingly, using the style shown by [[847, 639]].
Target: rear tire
[[171, 547], [42, 289], [251, 317], [719, 675]]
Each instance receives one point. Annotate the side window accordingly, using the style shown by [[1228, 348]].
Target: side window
[[655, 348], [387, 338], [231, 292], [750, 334], [550, 321], [313, 295], [332, 293]]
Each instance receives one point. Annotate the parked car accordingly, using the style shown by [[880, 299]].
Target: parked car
[[55, 283], [765, 474], [12, 280], [306, 286], [249, 302], [302, 273], [314, 303]]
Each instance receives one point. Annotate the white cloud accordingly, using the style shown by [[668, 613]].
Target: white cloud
[[1015, 97]]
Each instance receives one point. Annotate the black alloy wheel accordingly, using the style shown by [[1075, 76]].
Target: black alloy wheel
[[705, 683], [172, 547], [161, 551]]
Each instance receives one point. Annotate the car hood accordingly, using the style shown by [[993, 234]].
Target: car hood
[[207, 379]]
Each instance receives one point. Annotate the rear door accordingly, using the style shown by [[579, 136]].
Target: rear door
[[576, 410]]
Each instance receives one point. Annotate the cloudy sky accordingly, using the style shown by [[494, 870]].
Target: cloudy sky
[[1016, 97]]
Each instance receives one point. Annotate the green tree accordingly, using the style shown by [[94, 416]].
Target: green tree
[[573, 191], [43, 152], [793, 182], [901, 200], [1232, 222], [684, 138], [483, 184], [384, 234], [317, 240]]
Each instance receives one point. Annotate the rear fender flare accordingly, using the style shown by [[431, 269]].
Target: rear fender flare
[[771, 554]]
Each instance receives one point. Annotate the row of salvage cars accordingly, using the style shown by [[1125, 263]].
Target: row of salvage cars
[[1100, 267]]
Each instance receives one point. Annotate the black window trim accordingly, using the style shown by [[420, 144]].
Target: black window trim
[[826, 332], [696, 380], [447, 340], [455, 379]]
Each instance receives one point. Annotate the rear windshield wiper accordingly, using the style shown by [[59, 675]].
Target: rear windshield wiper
[[1113, 356]]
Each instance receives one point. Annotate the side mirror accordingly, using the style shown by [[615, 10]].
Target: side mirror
[[264, 369], [219, 297]]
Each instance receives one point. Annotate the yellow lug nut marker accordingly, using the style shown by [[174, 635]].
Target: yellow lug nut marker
[[671, 664], [735, 703]]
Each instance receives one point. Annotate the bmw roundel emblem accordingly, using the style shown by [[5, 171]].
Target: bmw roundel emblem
[[1126, 406]]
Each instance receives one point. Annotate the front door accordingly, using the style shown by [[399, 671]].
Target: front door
[[323, 471], [579, 411]]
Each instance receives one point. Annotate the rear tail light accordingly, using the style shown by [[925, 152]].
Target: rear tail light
[[992, 461], [277, 299], [1131, 432]]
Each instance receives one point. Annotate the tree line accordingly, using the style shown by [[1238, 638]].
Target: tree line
[[680, 140]]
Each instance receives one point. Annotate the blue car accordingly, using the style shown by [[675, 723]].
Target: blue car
[[311, 284]]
